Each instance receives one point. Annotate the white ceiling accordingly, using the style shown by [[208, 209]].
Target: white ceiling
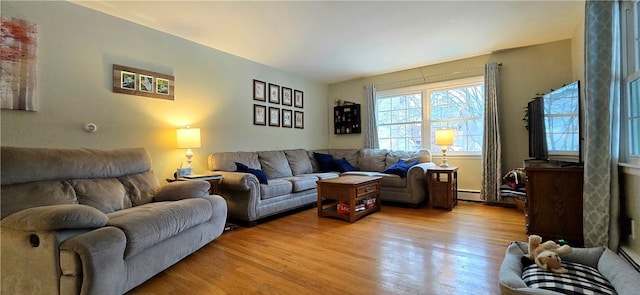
[[331, 41]]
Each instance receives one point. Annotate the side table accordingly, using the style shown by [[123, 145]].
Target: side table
[[215, 180], [443, 187]]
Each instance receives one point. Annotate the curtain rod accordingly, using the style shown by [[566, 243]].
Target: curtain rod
[[424, 78]]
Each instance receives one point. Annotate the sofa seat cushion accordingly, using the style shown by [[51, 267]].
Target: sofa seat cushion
[[303, 183], [388, 180], [323, 175], [152, 223], [579, 279], [275, 188]]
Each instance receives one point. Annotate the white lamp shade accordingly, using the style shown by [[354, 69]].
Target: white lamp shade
[[444, 137], [188, 138]]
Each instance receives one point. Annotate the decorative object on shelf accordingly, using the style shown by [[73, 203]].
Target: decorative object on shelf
[[274, 93], [346, 119], [299, 120], [298, 100], [259, 90], [188, 138], [139, 82], [287, 118], [444, 138], [274, 117], [259, 115], [287, 96], [18, 42]]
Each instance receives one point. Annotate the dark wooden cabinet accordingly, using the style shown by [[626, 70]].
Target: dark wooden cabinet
[[554, 203], [346, 119], [443, 187]]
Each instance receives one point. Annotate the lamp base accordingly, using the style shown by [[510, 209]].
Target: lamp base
[[445, 163]]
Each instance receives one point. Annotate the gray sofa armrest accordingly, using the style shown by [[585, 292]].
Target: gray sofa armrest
[[239, 181], [98, 253], [179, 190], [242, 193], [56, 217]]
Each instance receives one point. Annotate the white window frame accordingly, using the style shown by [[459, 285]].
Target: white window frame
[[425, 90], [631, 72]]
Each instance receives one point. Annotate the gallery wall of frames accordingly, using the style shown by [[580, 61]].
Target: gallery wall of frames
[[280, 106]]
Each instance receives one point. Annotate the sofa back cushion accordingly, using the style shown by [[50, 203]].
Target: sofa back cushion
[[351, 155], [372, 160], [104, 194], [299, 161], [140, 188], [274, 164], [21, 165], [21, 196], [226, 161]]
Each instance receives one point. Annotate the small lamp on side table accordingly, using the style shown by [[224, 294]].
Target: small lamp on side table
[[444, 138], [188, 138]]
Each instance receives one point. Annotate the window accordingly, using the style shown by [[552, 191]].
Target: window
[[631, 74], [407, 118], [399, 121]]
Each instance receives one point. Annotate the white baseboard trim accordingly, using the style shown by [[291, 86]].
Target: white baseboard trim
[[469, 195], [630, 256]]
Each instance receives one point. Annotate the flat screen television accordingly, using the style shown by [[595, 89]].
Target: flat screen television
[[555, 125]]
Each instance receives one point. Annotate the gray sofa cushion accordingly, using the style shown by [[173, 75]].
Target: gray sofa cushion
[[140, 187], [372, 160], [152, 223], [275, 188], [303, 183], [299, 161], [226, 161], [16, 197], [274, 164], [56, 217], [351, 155], [106, 194], [407, 156]]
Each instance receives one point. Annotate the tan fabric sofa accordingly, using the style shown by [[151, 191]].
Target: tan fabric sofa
[[292, 176], [81, 221]]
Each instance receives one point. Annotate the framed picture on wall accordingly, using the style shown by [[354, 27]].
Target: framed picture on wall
[[299, 120], [259, 90], [259, 115], [298, 99], [274, 93], [146, 83], [287, 94], [128, 80], [162, 86], [274, 116], [287, 118]]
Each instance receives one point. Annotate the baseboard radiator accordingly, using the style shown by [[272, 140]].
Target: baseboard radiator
[[469, 195]]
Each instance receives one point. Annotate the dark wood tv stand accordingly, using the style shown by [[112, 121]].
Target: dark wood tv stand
[[554, 203]]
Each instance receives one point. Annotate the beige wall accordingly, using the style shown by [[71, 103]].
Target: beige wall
[[76, 50], [525, 71]]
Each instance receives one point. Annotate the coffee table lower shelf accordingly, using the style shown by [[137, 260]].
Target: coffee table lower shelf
[[330, 210]]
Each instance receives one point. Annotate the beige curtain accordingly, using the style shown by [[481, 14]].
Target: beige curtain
[[491, 151], [371, 130]]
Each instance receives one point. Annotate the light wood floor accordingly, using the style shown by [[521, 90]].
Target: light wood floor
[[394, 251]]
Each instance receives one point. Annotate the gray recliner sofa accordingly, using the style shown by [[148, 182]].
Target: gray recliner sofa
[[86, 221], [292, 176]]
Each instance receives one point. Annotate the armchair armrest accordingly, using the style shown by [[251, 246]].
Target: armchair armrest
[[179, 190], [56, 217]]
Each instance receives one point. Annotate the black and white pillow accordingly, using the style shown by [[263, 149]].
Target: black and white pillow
[[580, 279]]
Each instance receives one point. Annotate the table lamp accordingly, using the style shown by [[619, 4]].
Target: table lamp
[[188, 138], [444, 138]]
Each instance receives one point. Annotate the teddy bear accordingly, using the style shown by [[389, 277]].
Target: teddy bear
[[547, 255]]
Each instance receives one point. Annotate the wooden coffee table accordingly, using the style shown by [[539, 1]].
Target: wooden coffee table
[[349, 191]]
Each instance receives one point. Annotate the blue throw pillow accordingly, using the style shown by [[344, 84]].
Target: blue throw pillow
[[262, 178], [342, 165], [400, 168], [325, 161]]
